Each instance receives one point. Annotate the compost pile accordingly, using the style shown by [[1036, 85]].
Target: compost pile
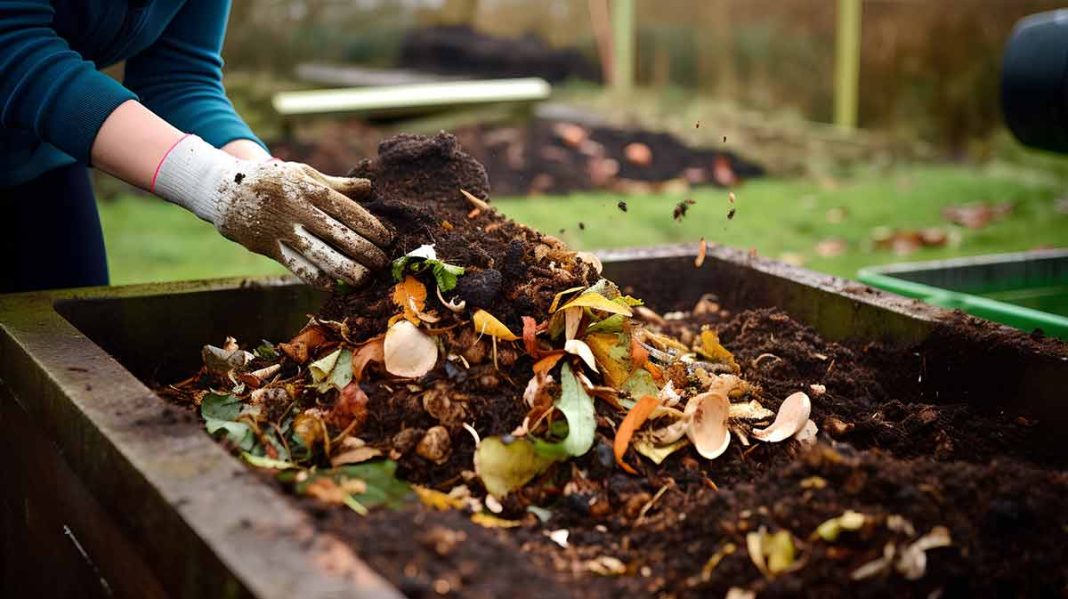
[[507, 422]]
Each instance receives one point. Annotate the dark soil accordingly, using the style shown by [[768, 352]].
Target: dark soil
[[538, 159], [460, 50], [883, 450]]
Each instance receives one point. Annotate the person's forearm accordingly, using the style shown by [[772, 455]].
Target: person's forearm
[[132, 142], [246, 149]]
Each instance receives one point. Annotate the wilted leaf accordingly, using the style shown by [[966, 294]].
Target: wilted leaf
[[408, 352], [772, 554], [437, 500], [560, 295], [530, 331], [830, 529], [322, 367], [612, 324], [644, 445], [354, 451], [268, 463], [220, 413], [596, 301], [580, 349], [612, 356], [410, 295], [490, 521], [307, 340], [792, 416], [912, 563], [547, 362], [577, 406], [221, 361], [487, 324], [372, 351], [506, 464], [632, 422], [713, 350], [380, 484], [639, 383]]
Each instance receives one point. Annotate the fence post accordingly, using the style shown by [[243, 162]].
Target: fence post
[[847, 64], [623, 42]]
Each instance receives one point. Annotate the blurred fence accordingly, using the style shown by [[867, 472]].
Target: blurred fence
[[928, 67]]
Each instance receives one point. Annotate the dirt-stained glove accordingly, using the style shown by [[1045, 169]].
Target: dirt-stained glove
[[308, 221]]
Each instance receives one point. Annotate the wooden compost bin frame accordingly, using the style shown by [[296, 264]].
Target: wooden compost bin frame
[[108, 491]]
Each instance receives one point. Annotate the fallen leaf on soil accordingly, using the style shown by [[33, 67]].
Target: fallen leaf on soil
[[437, 500], [577, 407], [712, 349], [579, 348], [487, 324], [610, 350], [702, 251], [606, 566], [490, 521], [645, 445], [717, 557], [476, 202], [830, 529], [335, 373], [266, 462], [634, 419], [792, 416], [596, 301], [223, 360], [354, 451], [572, 320], [410, 295], [772, 554], [556, 298], [639, 383], [372, 351], [506, 464], [407, 351], [307, 340], [547, 362], [912, 562], [530, 330]]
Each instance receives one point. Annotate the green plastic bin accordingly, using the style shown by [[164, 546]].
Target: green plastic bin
[[1026, 290]]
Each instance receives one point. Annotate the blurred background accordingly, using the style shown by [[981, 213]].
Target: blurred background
[[834, 135]]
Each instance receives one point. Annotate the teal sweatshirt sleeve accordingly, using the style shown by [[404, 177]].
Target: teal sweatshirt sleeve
[[179, 77], [47, 88]]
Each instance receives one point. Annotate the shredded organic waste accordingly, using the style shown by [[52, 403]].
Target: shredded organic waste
[[494, 378]]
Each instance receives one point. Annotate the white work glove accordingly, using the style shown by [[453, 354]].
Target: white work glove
[[288, 211]]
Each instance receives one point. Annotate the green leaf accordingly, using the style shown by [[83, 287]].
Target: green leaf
[[446, 275], [612, 324], [238, 433], [577, 406], [507, 463], [220, 407], [639, 384], [266, 462], [321, 368], [266, 351], [383, 486]]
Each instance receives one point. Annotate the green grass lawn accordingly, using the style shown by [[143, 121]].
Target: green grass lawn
[[150, 240]]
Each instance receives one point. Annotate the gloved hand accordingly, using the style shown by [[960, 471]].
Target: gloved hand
[[308, 221]]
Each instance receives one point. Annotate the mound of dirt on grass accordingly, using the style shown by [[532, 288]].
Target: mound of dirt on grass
[[460, 50]]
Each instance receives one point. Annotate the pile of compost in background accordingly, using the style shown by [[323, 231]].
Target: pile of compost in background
[[549, 156], [686, 527], [460, 50]]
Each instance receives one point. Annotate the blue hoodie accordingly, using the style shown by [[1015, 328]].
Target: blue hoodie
[[53, 99]]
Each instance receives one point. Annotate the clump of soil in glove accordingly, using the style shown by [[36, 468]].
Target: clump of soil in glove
[[488, 417]]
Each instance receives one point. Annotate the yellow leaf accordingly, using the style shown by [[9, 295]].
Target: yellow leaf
[[486, 323], [438, 500], [490, 521], [712, 349], [410, 295], [611, 352], [596, 301], [559, 296]]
